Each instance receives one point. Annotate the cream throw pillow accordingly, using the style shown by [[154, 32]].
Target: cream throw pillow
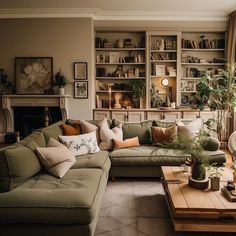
[[81, 144], [191, 129], [56, 158], [107, 134]]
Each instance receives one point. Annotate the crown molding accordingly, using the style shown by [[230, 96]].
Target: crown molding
[[97, 14]]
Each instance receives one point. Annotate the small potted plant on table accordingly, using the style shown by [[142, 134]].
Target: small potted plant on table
[[215, 172]]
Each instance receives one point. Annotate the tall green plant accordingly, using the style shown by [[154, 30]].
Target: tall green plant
[[219, 93]]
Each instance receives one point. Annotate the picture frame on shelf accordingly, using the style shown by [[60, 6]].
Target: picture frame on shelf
[[80, 71], [160, 70], [33, 75], [81, 89], [114, 57]]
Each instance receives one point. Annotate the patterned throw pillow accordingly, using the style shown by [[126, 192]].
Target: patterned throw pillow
[[162, 135], [81, 144], [107, 134]]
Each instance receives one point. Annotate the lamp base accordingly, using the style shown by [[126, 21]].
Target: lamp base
[[198, 184]]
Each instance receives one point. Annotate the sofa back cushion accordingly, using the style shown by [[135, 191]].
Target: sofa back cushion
[[36, 136], [142, 130], [53, 131], [18, 164]]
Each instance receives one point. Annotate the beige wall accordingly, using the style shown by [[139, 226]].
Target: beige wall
[[66, 40]]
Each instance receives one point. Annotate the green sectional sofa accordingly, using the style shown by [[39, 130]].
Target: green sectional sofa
[[34, 202]]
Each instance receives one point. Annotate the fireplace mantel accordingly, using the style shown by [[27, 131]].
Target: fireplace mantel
[[11, 101]]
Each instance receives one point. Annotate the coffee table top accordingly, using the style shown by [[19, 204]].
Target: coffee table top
[[186, 201]]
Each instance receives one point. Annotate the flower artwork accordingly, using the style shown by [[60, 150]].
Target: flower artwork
[[33, 75]]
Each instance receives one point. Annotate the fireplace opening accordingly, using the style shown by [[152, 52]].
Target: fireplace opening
[[28, 119]]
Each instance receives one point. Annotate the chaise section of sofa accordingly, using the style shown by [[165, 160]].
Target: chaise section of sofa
[[34, 202]]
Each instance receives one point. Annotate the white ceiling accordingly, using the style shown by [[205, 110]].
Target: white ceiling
[[117, 9]]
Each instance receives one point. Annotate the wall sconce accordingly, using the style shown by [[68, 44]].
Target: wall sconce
[[165, 83]]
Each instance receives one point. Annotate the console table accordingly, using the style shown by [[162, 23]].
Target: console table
[[11, 101]]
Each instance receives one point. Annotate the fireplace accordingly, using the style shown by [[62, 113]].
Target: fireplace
[[28, 119], [25, 113]]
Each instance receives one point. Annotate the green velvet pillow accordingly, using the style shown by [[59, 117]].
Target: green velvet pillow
[[21, 164], [211, 144], [36, 136], [142, 130]]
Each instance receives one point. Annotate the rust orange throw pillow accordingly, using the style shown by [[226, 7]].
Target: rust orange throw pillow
[[73, 129], [162, 135], [130, 142]]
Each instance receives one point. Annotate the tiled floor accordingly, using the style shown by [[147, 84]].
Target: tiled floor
[[137, 208]]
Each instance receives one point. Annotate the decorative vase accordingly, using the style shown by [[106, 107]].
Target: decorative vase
[[198, 171], [198, 178], [61, 90], [120, 43], [215, 183]]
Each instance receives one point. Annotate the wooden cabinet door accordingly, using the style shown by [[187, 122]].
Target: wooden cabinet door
[[135, 116], [154, 115], [100, 115], [121, 116], [190, 115], [172, 116]]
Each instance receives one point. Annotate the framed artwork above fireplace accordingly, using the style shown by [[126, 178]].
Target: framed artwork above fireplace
[[33, 75]]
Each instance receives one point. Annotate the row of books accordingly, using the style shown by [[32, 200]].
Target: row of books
[[204, 44]]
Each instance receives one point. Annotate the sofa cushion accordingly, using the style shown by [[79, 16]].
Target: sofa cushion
[[153, 156], [53, 131], [107, 134], [99, 160], [21, 163], [142, 130], [36, 136], [74, 199], [81, 144], [163, 123]]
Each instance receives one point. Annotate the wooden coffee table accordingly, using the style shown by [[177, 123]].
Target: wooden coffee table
[[197, 210]]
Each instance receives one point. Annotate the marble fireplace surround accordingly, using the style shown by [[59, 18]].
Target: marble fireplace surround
[[11, 101]]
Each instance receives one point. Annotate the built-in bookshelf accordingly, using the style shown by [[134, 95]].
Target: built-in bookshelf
[[120, 58], [201, 53], [163, 64]]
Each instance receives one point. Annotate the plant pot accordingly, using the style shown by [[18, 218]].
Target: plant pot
[[215, 183], [61, 90], [198, 171]]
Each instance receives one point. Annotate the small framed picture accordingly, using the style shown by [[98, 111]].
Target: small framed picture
[[80, 70], [81, 89]]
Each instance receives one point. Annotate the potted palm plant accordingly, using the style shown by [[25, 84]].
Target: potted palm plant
[[219, 94]]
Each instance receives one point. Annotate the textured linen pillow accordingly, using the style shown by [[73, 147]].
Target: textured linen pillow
[[87, 127], [131, 142], [107, 134], [56, 160], [81, 144], [191, 129], [162, 135], [73, 129]]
